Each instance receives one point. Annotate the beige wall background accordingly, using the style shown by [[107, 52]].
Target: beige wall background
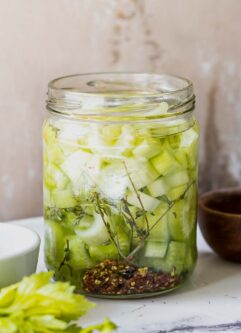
[[41, 40]]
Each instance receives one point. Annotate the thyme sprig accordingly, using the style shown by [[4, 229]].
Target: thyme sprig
[[103, 210], [66, 258], [138, 197]]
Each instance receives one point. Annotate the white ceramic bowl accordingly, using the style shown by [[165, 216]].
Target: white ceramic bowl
[[19, 250]]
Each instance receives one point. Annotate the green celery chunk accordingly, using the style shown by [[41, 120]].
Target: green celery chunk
[[104, 251], [113, 181], [47, 197], [140, 173], [83, 169], [54, 177], [190, 259], [149, 203], [49, 134], [175, 257], [92, 230], [54, 243], [165, 162], [176, 179], [148, 148], [79, 257], [158, 188], [63, 198], [155, 249], [178, 221], [176, 192]]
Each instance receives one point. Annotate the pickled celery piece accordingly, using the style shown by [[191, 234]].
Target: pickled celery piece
[[175, 257], [149, 203], [79, 257], [178, 221], [49, 134], [159, 231], [83, 170], [126, 140], [190, 259], [158, 187], [54, 177], [140, 172], [91, 230], [104, 251], [109, 250], [75, 163], [181, 156], [164, 162], [148, 148], [176, 179], [47, 197], [121, 144], [63, 198], [176, 192], [113, 181], [110, 133], [158, 224], [188, 137], [54, 154], [155, 249], [54, 243]]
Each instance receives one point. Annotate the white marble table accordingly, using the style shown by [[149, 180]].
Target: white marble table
[[209, 302]]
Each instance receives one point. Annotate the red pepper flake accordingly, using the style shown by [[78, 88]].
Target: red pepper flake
[[112, 277]]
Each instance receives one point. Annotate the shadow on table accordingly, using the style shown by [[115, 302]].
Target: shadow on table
[[210, 270]]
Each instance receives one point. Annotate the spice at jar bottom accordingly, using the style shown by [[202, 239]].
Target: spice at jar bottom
[[112, 277]]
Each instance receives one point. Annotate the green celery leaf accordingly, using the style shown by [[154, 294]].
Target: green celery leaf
[[36, 305]]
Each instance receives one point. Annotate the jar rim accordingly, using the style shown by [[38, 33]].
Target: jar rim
[[120, 95]]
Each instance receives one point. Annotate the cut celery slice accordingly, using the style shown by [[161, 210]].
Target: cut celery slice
[[158, 187], [158, 224], [188, 137], [79, 257], [54, 153], [140, 172], [110, 133], [175, 257], [164, 162], [102, 252], [176, 192], [113, 181], [181, 157], [54, 176], [91, 230], [178, 221], [159, 230], [83, 169], [148, 148], [155, 249], [54, 243], [176, 179], [49, 134], [63, 198], [126, 140], [75, 163], [47, 197], [190, 260], [149, 203]]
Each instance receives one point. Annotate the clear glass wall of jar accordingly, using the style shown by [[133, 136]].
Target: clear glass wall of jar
[[120, 183]]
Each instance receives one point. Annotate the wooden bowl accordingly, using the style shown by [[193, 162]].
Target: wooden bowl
[[220, 222]]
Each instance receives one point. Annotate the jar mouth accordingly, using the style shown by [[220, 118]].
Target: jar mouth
[[121, 96]]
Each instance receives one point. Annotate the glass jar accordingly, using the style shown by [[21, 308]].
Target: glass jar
[[120, 183]]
